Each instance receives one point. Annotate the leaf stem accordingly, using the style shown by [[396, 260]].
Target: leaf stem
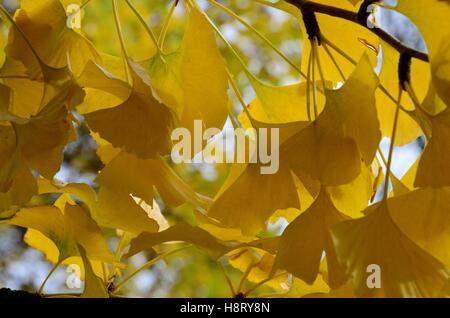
[[22, 34], [319, 65], [412, 95], [227, 278], [126, 62], [228, 44], [268, 279], [117, 255], [314, 79], [259, 34], [391, 146], [331, 56], [52, 270], [308, 86], [165, 28], [147, 265], [145, 25], [244, 276], [238, 93]]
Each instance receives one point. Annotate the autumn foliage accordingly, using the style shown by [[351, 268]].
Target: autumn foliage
[[345, 208]]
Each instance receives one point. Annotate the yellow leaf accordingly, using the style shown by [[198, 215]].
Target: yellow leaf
[[22, 189], [261, 194], [347, 131], [433, 166], [408, 129], [307, 237], [103, 89], [215, 228], [423, 216], [93, 286], [146, 132], [142, 175], [153, 212], [43, 139], [429, 16], [180, 232], [40, 242], [44, 25], [111, 209], [117, 210], [353, 197], [261, 263], [203, 75], [301, 289], [405, 269], [280, 104], [66, 230]]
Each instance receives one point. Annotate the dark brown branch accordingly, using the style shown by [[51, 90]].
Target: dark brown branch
[[308, 6], [404, 70]]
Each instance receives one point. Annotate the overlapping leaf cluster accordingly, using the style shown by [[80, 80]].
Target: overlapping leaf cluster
[[331, 124]]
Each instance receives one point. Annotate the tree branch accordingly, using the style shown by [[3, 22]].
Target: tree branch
[[308, 6]]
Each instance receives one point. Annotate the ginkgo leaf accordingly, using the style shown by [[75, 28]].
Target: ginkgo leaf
[[146, 132], [429, 16], [180, 232], [202, 63], [346, 131], [95, 77], [433, 166], [9, 157], [24, 96], [306, 239], [423, 216], [408, 129], [261, 264], [116, 210], [111, 209], [301, 289], [44, 23], [93, 285], [39, 141], [410, 175], [193, 81], [217, 229], [142, 176], [398, 187], [22, 189], [353, 197], [66, 230], [344, 291], [354, 2], [405, 269], [307, 190], [263, 194], [280, 104], [42, 243], [105, 150], [153, 212], [44, 137], [280, 229]]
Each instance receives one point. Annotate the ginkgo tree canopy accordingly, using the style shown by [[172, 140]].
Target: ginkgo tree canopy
[[333, 210]]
